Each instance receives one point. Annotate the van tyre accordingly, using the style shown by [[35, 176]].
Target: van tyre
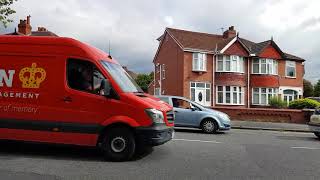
[[209, 126], [317, 134], [118, 144]]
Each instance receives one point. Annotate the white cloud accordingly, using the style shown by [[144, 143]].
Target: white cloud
[[133, 26]]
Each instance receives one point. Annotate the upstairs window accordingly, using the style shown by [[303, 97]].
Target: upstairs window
[[291, 69], [226, 63], [163, 69], [199, 62], [264, 66]]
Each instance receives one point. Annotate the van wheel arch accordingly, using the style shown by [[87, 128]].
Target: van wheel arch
[[105, 129]]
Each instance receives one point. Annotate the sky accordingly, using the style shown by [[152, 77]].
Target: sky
[[132, 27]]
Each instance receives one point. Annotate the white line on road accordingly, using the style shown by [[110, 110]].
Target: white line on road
[[312, 148], [194, 140]]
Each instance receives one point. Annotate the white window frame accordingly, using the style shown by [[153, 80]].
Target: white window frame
[[207, 86], [156, 91], [236, 63], [270, 64], [291, 64], [274, 93], [239, 91], [197, 62], [163, 69]]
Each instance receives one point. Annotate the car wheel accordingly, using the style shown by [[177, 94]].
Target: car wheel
[[317, 134], [118, 144], [209, 126]]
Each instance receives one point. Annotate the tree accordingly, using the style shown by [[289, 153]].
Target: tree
[[6, 11], [317, 89], [308, 88], [143, 80]]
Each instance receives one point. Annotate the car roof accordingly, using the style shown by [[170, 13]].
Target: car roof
[[180, 97]]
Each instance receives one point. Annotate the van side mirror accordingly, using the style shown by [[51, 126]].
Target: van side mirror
[[106, 87]]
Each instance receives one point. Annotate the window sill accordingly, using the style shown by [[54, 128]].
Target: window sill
[[200, 71], [289, 77], [230, 104], [260, 104], [264, 74], [230, 72]]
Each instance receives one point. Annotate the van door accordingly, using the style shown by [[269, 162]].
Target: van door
[[82, 95]]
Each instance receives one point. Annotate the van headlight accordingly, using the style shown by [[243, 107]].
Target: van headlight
[[155, 115]]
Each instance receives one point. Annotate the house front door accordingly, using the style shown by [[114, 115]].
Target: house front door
[[200, 95]]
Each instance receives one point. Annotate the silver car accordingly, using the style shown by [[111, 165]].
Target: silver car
[[192, 114], [314, 124]]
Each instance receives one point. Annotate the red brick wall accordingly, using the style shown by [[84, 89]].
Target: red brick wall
[[170, 54], [236, 49], [266, 115], [231, 79], [260, 80], [285, 81], [270, 52], [190, 76]]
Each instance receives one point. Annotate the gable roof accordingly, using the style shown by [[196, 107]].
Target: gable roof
[[198, 41], [210, 43]]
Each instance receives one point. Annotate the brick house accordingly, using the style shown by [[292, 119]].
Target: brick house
[[225, 70], [25, 29]]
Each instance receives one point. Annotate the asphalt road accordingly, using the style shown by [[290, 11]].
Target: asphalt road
[[238, 154]]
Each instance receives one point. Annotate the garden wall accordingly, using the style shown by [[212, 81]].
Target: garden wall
[[267, 115]]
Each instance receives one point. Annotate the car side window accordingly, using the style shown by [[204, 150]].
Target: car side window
[[84, 76], [180, 103]]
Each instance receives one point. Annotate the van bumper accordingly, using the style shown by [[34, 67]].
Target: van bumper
[[154, 135]]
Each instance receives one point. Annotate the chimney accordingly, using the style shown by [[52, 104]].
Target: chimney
[[42, 29], [230, 33], [24, 26]]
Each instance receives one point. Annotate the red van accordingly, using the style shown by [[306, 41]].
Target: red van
[[59, 90]]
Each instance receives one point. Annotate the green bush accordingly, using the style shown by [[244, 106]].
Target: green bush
[[304, 104], [277, 102]]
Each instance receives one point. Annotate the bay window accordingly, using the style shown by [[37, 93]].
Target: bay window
[[227, 63], [261, 96], [199, 62], [291, 69], [264, 66], [230, 95]]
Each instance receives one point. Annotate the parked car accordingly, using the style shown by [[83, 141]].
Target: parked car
[[314, 124], [192, 114], [60, 90]]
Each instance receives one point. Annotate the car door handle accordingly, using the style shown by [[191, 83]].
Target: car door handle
[[176, 111], [67, 99]]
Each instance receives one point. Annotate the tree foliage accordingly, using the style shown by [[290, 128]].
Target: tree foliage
[[308, 88], [6, 11], [317, 89], [143, 80]]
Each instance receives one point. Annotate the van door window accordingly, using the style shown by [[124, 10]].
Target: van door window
[[84, 76]]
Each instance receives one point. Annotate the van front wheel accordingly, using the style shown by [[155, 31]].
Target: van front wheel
[[118, 144]]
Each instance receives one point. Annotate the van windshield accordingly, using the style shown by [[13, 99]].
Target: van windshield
[[123, 79]]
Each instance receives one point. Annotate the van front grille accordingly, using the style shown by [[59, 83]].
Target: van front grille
[[170, 116]]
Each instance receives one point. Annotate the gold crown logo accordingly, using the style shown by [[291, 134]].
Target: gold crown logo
[[32, 77]]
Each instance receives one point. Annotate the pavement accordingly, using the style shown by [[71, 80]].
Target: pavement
[[236, 154], [272, 126]]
